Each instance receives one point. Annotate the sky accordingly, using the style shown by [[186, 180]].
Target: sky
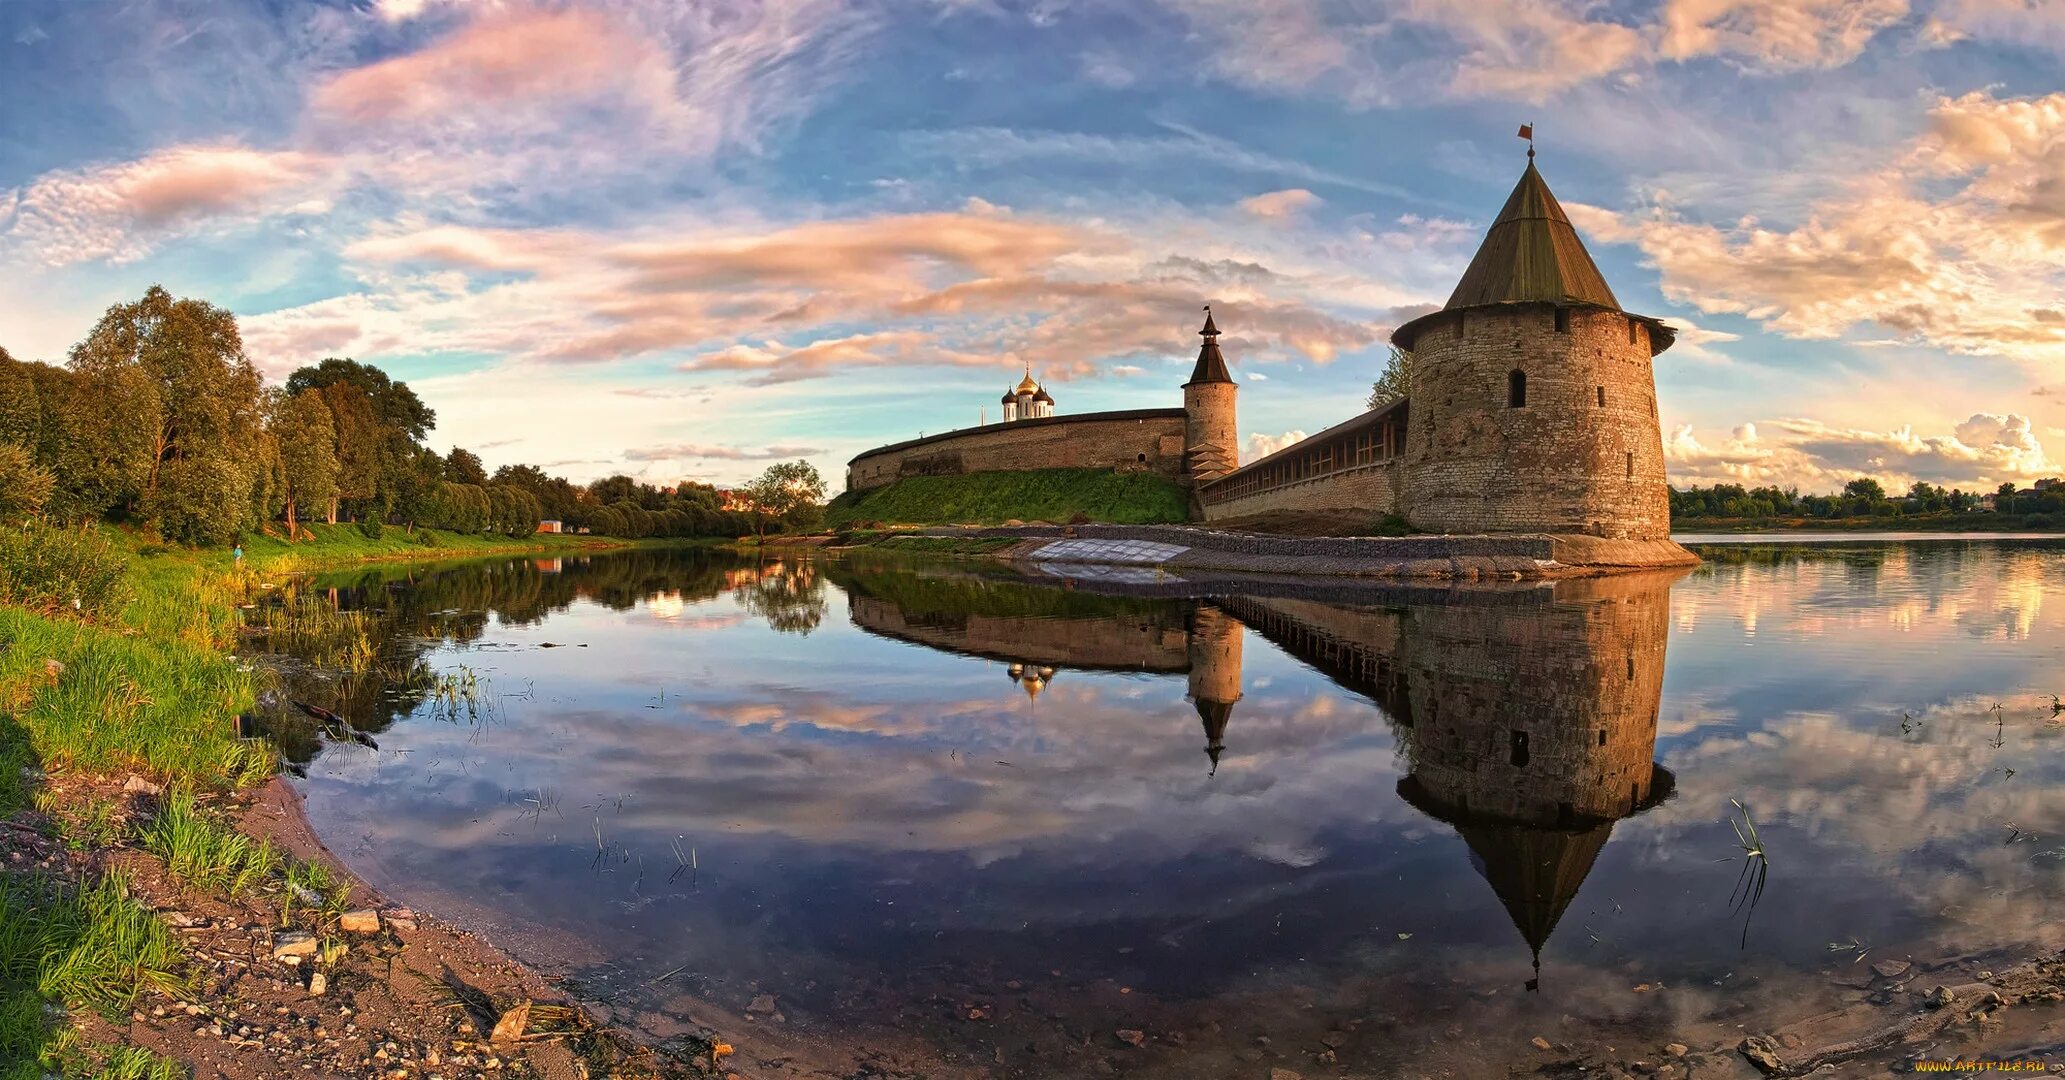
[[686, 239]]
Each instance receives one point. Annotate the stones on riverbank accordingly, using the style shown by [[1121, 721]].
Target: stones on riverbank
[[293, 945], [359, 922]]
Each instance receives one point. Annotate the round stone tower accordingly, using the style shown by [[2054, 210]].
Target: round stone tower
[[1533, 399], [1211, 434]]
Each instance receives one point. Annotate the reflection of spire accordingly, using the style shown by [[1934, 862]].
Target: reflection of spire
[[1534, 731], [1215, 674], [1214, 714]]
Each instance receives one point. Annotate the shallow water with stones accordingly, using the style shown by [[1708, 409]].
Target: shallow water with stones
[[956, 818]]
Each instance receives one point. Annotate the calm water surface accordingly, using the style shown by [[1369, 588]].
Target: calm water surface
[[985, 820]]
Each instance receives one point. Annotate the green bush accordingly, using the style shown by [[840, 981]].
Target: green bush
[[49, 570], [372, 529], [1391, 525]]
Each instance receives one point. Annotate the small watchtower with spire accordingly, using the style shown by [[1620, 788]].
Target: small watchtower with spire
[[1534, 398], [1211, 430]]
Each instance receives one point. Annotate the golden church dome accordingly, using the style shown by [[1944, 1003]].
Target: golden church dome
[[1028, 386]]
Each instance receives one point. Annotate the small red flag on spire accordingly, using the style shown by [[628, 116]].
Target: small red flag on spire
[[1527, 132]]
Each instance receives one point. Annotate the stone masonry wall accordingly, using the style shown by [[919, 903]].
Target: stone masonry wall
[[1565, 462], [1368, 489], [1143, 439]]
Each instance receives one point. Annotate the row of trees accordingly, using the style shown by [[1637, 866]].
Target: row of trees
[[158, 418], [1862, 497]]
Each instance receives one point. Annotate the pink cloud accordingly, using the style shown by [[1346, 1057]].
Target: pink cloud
[[119, 211], [494, 61]]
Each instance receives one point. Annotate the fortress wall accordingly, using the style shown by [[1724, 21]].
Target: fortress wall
[[1101, 643], [1367, 489], [1149, 440]]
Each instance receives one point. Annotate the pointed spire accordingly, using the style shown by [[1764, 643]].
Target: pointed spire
[[1211, 366], [1532, 253]]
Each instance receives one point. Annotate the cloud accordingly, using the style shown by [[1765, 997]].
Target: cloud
[[120, 211], [1958, 242], [1261, 445], [494, 62], [1280, 204], [1380, 55], [977, 287], [715, 452], [1980, 453]]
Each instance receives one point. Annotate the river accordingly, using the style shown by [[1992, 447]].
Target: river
[[952, 818]]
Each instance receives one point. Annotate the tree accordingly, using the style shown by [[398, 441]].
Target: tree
[[359, 445], [1864, 487], [178, 370], [2004, 498], [1396, 381], [784, 493], [24, 485], [395, 405], [462, 466], [21, 413], [307, 441]]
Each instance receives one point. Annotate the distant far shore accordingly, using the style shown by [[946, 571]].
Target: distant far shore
[[2032, 524]]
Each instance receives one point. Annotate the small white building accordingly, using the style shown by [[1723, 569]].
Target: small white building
[[551, 526]]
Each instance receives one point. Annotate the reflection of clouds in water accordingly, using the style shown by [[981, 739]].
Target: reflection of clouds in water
[[875, 762]]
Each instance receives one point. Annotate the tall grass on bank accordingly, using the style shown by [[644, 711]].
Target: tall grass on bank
[[205, 854], [51, 570], [90, 947]]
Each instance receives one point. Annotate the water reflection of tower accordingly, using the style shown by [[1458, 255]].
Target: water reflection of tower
[[1534, 731], [1215, 673]]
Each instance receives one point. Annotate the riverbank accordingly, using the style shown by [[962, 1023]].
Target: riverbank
[[135, 880], [1176, 549]]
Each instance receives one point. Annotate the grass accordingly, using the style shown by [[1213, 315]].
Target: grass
[[205, 854], [141, 677], [92, 947], [991, 498]]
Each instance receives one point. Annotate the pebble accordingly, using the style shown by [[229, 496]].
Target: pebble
[[762, 1004], [1132, 1036], [1891, 969], [1542, 1044], [295, 943], [359, 922], [1940, 997], [1677, 1049], [318, 984], [1762, 1051]]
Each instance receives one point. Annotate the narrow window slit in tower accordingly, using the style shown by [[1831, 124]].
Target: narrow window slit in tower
[[1631, 464], [1519, 749], [1563, 320], [1602, 736], [1516, 390], [1602, 397]]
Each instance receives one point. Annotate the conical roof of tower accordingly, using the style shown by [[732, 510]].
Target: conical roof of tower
[[1211, 365], [1535, 872], [1532, 255]]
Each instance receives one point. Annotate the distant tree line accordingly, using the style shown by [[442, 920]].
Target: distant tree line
[[159, 419], [1867, 498]]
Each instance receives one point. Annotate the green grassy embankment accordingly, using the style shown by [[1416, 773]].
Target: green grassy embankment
[[117, 658], [992, 498]]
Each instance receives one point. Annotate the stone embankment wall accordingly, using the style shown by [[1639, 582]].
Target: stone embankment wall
[[1582, 454], [1148, 440]]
